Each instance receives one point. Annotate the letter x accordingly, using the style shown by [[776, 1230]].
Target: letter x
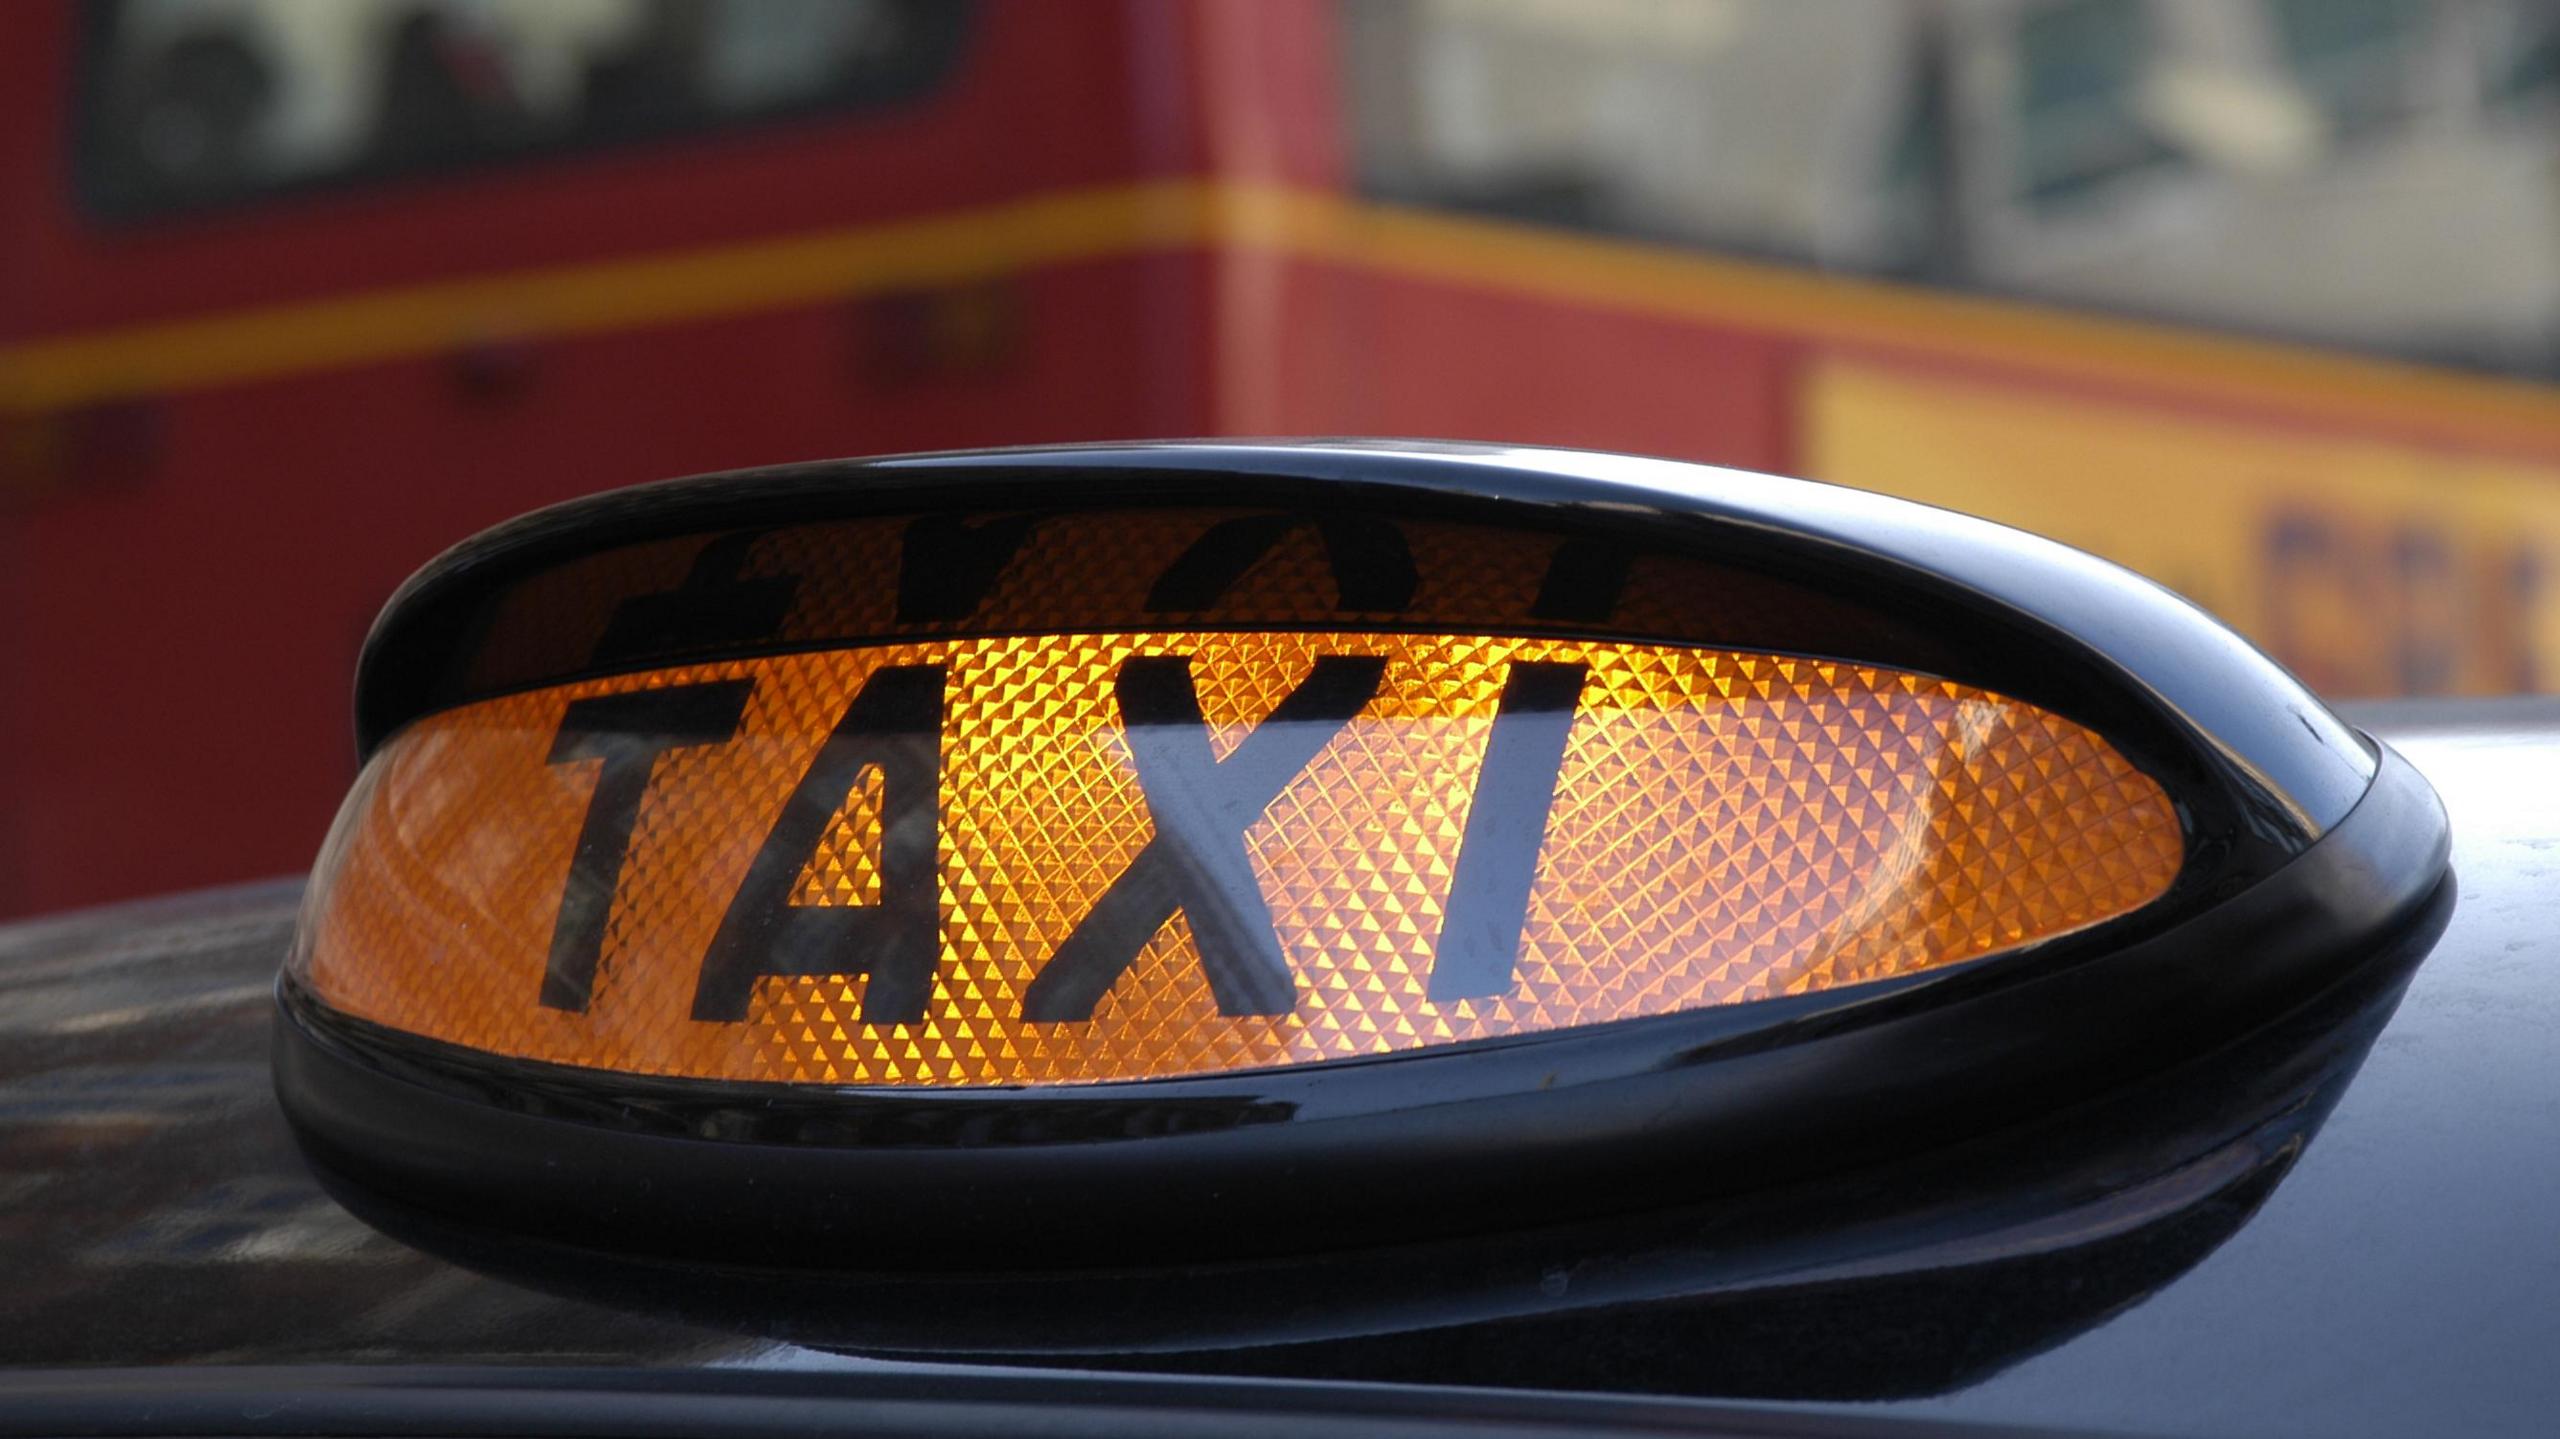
[[1197, 863]]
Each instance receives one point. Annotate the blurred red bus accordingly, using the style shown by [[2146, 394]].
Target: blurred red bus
[[292, 295]]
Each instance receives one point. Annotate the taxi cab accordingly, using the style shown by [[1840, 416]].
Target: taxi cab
[[1310, 937]]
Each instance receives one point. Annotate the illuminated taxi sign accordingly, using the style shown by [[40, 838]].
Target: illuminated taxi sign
[[1133, 856], [1060, 858]]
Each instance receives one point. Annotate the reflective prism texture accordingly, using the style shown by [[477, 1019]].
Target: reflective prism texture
[[1166, 853]]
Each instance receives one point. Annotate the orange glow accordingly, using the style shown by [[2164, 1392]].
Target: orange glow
[[1722, 827]]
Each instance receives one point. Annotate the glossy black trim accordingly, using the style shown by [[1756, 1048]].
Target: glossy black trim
[[1476, 1137]]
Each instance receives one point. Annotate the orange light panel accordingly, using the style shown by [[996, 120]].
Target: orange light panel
[[1708, 827]]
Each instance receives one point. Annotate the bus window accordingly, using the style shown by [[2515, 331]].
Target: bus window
[[188, 103], [2520, 52], [2355, 57], [1758, 128], [2159, 159], [2081, 66]]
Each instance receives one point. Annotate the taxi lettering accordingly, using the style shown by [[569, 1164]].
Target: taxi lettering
[[1196, 864]]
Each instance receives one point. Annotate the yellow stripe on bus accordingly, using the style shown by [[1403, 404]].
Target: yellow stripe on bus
[[1300, 224], [597, 297], [1836, 310]]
